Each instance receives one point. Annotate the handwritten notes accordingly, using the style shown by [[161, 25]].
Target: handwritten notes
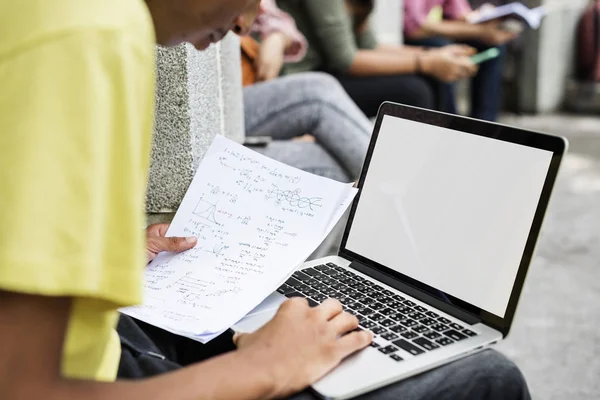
[[256, 221]]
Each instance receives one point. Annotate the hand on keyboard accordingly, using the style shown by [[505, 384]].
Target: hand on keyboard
[[301, 343]]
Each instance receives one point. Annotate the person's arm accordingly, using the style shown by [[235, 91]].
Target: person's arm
[[268, 365], [31, 342], [281, 41], [489, 32], [394, 48], [454, 26], [336, 41], [374, 63], [271, 21], [333, 29], [458, 30], [418, 26]]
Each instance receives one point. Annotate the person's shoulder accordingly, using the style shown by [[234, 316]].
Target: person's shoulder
[[25, 23]]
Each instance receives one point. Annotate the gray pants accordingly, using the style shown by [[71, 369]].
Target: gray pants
[[310, 103], [486, 375]]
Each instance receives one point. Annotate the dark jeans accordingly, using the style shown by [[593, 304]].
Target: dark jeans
[[485, 87], [486, 375], [369, 92]]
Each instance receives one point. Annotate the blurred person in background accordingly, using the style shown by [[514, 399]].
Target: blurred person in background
[[371, 72], [438, 23], [315, 125]]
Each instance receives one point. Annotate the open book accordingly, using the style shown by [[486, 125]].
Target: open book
[[511, 13], [256, 221]]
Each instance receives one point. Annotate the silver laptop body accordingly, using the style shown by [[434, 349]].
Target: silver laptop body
[[437, 244]]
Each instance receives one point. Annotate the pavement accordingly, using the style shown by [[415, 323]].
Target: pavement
[[555, 338]]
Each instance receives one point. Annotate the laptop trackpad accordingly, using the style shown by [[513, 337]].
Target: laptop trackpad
[[261, 314]]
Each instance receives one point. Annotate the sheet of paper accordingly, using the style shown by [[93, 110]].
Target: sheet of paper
[[533, 16], [256, 220]]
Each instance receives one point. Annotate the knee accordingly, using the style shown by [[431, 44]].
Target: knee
[[321, 86], [501, 377]]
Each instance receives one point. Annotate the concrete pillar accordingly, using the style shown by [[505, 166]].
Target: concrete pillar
[[548, 57], [199, 95], [387, 21]]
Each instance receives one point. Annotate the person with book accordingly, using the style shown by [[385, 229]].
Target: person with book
[[438, 23], [371, 72], [77, 97]]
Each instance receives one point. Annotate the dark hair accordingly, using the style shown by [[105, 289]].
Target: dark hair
[[362, 3], [361, 10]]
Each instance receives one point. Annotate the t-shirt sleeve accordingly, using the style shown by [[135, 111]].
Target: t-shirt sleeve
[[415, 15], [367, 40], [271, 19], [456, 9], [333, 30], [76, 114]]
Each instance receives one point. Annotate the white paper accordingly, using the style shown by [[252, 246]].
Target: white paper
[[533, 16], [256, 221]]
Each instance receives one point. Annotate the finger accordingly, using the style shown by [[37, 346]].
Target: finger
[[469, 51], [271, 73], [344, 323], [295, 303], [329, 309], [261, 70], [462, 50], [258, 66], [173, 244], [466, 66], [161, 229], [157, 229], [470, 69], [353, 342], [238, 337], [465, 50]]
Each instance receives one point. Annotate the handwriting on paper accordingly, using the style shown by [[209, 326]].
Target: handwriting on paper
[[255, 220]]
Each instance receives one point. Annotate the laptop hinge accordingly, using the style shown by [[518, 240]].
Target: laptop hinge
[[416, 293]]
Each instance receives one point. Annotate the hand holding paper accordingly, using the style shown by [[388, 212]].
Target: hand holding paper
[[256, 220]]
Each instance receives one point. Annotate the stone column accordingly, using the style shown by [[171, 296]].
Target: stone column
[[387, 21], [548, 57], [199, 95]]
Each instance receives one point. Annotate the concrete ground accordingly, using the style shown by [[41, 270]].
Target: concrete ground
[[556, 335]]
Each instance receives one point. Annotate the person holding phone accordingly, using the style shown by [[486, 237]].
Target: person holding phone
[[438, 23], [372, 72]]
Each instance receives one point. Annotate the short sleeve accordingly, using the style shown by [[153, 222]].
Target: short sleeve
[[456, 9], [415, 15], [76, 113], [367, 40], [333, 29], [271, 19]]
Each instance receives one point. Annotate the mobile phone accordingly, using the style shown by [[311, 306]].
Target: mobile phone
[[486, 55], [257, 141]]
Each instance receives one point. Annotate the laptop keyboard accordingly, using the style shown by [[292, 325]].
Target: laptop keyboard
[[396, 322]]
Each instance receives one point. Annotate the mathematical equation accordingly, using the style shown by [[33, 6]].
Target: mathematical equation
[[254, 219]]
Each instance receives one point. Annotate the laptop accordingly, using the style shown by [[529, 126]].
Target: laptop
[[437, 244]]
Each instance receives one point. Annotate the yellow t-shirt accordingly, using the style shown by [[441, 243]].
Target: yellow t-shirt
[[76, 113]]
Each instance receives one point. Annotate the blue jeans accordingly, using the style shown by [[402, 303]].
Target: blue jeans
[[485, 87], [487, 375]]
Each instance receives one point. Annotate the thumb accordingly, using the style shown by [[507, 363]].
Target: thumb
[[237, 338], [464, 50], [173, 244]]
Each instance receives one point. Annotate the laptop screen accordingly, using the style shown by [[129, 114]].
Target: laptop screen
[[449, 209]]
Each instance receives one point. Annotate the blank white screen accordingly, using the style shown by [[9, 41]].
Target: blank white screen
[[449, 209]]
